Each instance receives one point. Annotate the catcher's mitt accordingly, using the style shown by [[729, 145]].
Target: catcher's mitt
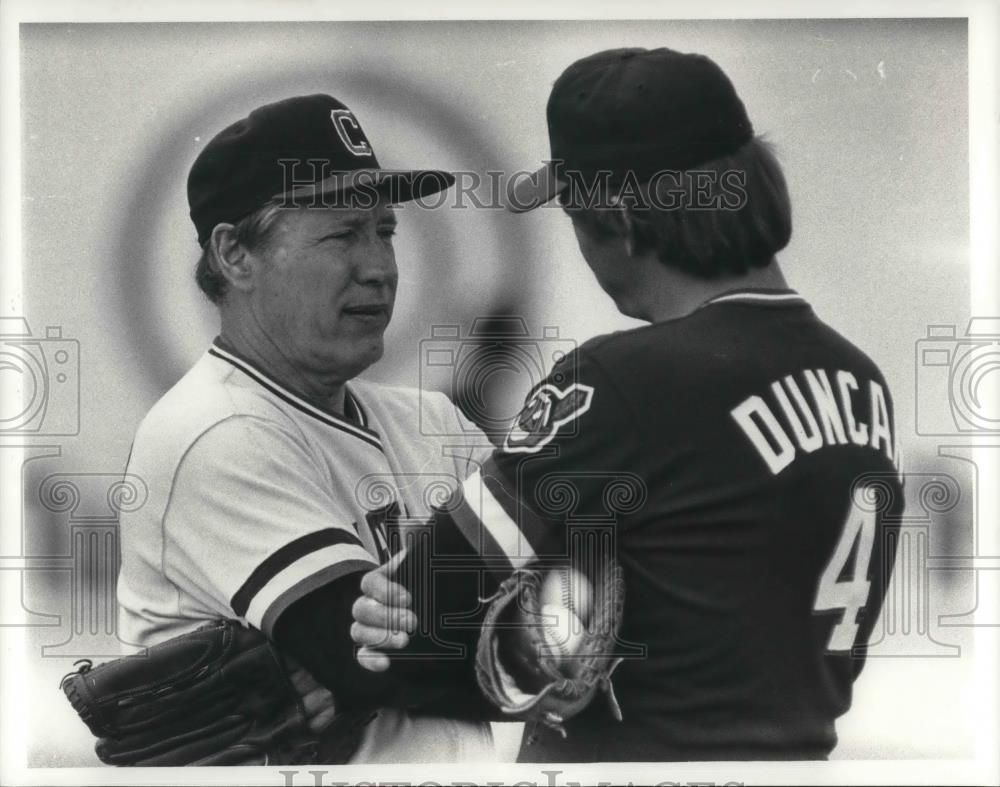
[[219, 695], [516, 669]]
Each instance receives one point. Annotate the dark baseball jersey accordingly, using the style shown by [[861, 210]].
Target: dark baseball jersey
[[742, 463]]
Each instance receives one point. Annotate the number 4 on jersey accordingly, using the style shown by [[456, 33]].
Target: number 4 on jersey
[[848, 594]]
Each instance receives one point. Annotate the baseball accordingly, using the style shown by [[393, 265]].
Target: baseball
[[568, 588], [562, 631]]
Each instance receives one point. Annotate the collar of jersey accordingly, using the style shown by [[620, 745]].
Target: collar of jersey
[[753, 296], [362, 431]]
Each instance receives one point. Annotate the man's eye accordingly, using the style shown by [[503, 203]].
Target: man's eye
[[387, 232], [343, 235]]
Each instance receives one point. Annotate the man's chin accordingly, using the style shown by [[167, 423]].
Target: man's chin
[[377, 351], [365, 358], [344, 363]]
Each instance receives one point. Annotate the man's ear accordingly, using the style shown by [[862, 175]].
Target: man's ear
[[231, 258], [631, 235]]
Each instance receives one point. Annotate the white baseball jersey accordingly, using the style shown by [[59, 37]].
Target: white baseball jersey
[[257, 498]]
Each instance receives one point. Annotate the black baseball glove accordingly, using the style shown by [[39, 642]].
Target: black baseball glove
[[220, 695]]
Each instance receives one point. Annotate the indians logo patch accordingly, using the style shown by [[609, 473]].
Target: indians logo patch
[[544, 414]]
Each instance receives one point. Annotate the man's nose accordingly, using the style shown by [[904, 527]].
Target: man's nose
[[377, 265]]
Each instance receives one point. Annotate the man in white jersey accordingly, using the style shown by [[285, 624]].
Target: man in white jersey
[[274, 473]]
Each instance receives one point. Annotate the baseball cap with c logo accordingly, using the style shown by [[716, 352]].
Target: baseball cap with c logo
[[303, 147]]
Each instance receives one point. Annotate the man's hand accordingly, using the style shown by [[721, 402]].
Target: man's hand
[[317, 701], [382, 616]]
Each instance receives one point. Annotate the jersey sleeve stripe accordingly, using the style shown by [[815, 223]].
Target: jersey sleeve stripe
[[539, 533], [309, 572], [284, 557], [485, 518], [307, 586], [472, 539]]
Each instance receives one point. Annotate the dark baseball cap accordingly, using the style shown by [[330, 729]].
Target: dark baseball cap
[[304, 147], [634, 110]]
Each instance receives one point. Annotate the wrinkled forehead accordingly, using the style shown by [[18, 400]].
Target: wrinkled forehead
[[378, 213], [324, 218]]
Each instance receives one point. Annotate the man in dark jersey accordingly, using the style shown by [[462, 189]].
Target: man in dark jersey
[[741, 453]]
